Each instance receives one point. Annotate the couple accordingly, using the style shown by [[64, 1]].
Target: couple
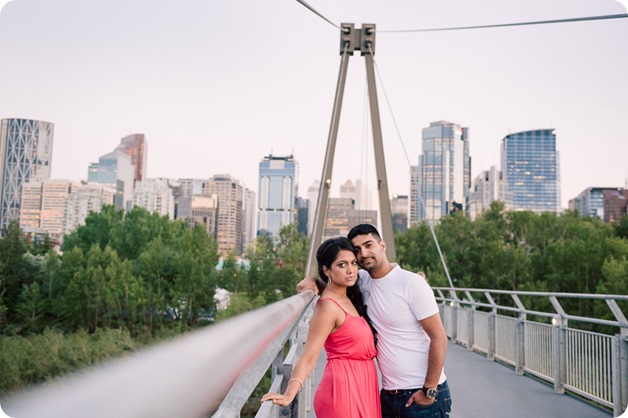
[[411, 341]]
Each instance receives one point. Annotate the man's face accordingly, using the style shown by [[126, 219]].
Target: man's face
[[371, 253]]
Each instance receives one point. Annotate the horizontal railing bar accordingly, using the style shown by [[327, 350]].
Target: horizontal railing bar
[[594, 320], [266, 408], [492, 306], [248, 380], [195, 370], [530, 293]]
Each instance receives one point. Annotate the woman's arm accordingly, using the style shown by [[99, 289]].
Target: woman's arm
[[308, 283], [323, 322]]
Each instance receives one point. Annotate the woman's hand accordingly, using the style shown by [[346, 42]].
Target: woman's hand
[[308, 283], [277, 398]]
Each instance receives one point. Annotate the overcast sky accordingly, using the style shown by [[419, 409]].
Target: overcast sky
[[216, 85]]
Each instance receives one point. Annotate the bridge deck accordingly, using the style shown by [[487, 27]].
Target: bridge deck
[[486, 389]]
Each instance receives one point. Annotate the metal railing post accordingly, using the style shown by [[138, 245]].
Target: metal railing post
[[559, 346], [305, 396], [470, 322], [623, 359], [490, 352], [520, 346], [454, 321], [520, 336], [559, 354]]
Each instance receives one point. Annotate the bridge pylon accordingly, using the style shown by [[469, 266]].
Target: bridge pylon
[[352, 40]]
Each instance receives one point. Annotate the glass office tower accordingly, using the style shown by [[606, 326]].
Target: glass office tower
[[530, 169], [25, 156], [278, 186], [444, 171], [115, 170]]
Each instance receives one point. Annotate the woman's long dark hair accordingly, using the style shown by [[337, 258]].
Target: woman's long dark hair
[[325, 256]]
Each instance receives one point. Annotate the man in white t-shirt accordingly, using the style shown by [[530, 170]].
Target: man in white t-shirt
[[411, 343]]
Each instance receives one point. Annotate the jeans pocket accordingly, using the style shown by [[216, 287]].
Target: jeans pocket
[[423, 411]]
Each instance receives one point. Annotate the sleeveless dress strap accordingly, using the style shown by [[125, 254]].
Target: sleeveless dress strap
[[333, 300]]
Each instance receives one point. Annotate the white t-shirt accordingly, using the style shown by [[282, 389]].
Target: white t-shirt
[[396, 303]]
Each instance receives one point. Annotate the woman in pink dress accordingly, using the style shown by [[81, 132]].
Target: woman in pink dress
[[348, 388]]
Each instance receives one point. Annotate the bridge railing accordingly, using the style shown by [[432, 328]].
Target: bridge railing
[[591, 364], [213, 370]]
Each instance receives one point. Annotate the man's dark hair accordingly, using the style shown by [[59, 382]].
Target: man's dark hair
[[364, 229]]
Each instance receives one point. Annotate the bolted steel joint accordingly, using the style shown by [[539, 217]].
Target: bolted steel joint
[[367, 38], [348, 41]]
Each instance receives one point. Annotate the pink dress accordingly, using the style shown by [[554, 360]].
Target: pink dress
[[349, 387]]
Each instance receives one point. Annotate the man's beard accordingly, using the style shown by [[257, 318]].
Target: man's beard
[[370, 267]]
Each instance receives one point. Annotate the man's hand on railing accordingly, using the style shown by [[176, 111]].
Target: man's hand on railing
[[308, 283]]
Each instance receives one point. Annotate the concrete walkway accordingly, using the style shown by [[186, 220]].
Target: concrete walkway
[[487, 389]]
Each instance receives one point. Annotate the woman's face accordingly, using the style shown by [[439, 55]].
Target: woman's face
[[344, 269]]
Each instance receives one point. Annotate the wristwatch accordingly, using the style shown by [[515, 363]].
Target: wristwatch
[[430, 393]]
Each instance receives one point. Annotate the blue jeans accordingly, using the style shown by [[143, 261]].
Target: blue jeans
[[394, 406]]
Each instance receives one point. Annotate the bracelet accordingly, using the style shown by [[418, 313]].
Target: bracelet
[[297, 380]]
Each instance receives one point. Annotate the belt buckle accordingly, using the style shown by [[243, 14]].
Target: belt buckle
[[394, 391]]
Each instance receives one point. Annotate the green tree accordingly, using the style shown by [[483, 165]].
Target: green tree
[[231, 277], [14, 269], [96, 230], [621, 227], [139, 227], [292, 252]]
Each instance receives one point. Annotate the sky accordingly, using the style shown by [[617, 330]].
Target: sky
[[216, 85]]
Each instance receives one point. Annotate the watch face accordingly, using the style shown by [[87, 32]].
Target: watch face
[[431, 393]]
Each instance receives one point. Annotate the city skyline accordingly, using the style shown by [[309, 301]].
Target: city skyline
[[208, 82]]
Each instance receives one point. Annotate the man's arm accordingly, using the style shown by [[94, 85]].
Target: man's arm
[[438, 348], [436, 358]]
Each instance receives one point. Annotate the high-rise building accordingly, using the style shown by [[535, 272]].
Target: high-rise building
[[191, 187], [156, 196], [399, 205], [349, 191], [25, 156], [278, 188], [45, 205], [250, 214], [531, 171], [342, 216], [365, 197], [85, 199], [200, 210], [444, 171], [485, 189], [230, 212], [303, 213], [312, 197], [590, 202], [415, 200], [135, 145], [615, 204], [115, 170]]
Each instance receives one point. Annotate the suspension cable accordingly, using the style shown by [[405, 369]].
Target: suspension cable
[[429, 221], [501, 25], [318, 14]]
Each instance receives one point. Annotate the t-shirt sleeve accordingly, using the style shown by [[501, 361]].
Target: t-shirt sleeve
[[421, 297]]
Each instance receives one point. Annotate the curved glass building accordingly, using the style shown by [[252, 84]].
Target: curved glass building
[[25, 156], [531, 171]]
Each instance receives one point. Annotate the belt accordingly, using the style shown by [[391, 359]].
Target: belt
[[398, 391], [406, 391]]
